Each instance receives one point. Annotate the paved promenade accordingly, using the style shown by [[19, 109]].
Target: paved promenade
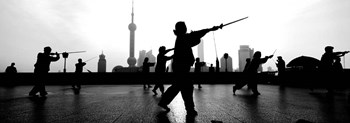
[[214, 103]]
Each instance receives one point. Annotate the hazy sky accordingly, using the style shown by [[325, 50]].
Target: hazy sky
[[293, 27]]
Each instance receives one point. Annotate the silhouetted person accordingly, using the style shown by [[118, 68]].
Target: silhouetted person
[[42, 67], [211, 68], [247, 63], [78, 70], [326, 66], [281, 66], [11, 69], [161, 67], [252, 73], [145, 69], [198, 68], [337, 66], [183, 59]]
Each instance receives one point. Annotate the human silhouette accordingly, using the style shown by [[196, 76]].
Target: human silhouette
[[198, 68], [183, 59], [247, 63], [42, 67], [211, 68], [145, 69], [161, 67], [281, 66], [78, 70], [326, 65], [252, 73], [337, 66], [11, 69]]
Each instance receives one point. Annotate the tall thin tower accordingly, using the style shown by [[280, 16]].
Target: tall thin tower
[[102, 63], [132, 27]]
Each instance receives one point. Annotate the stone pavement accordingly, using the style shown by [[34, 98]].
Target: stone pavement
[[132, 103]]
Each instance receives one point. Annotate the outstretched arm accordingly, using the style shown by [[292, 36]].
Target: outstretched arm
[[55, 58], [168, 50]]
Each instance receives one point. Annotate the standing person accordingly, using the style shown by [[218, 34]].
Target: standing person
[[161, 67], [183, 59], [11, 69], [198, 68], [252, 73], [281, 66], [78, 70], [42, 68], [326, 65], [145, 69], [247, 63]]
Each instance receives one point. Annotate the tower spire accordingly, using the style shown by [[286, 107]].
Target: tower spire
[[132, 12]]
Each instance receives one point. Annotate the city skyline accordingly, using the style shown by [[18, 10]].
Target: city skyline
[[294, 28]]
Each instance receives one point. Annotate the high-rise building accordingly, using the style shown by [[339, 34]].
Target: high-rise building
[[225, 62], [244, 52], [102, 64], [200, 49], [132, 27], [142, 56]]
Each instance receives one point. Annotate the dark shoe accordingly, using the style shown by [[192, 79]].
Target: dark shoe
[[32, 94], [192, 113], [164, 107], [43, 94], [234, 90], [155, 92]]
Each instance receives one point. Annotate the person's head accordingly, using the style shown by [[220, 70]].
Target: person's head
[[12, 64], [146, 59], [180, 28], [47, 50], [247, 59], [197, 59], [226, 55], [80, 60], [279, 57], [257, 54], [328, 49], [161, 49]]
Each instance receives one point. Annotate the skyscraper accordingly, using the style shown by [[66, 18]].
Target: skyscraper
[[200, 49], [132, 27], [102, 63], [244, 52]]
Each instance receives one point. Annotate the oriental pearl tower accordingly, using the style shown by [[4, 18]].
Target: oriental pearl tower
[[132, 27]]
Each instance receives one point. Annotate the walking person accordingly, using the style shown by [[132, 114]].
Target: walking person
[[183, 59], [252, 73], [161, 67], [42, 68]]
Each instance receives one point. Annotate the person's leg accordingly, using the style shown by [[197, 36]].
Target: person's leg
[[161, 88], [187, 96], [34, 90], [238, 86], [168, 96], [156, 86]]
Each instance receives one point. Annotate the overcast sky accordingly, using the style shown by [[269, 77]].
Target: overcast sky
[[293, 27]]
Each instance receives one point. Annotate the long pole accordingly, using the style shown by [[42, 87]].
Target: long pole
[[217, 59]]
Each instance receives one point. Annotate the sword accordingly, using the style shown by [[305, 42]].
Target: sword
[[222, 25]]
